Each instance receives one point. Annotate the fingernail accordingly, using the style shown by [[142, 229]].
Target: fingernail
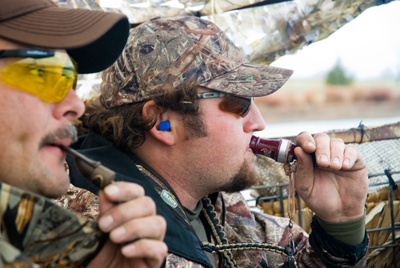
[[323, 158], [111, 190], [310, 144], [117, 233], [105, 222], [128, 250], [346, 162], [335, 161]]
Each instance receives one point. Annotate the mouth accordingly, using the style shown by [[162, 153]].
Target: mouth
[[57, 145], [248, 149]]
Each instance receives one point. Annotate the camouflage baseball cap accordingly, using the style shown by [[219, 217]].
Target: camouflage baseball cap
[[163, 53]]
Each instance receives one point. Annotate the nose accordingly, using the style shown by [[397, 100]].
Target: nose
[[254, 121], [70, 108]]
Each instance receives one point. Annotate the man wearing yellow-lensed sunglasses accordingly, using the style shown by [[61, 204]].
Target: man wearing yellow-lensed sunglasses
[[42, 50]]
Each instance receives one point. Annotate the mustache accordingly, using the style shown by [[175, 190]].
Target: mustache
[[68, 131]]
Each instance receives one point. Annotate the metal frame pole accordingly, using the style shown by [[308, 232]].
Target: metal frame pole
[[391, 186]]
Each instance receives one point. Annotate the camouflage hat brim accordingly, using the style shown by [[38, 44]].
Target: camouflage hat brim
[[251, 80]]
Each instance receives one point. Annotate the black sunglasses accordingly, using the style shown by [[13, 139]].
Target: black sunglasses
[[231, 103]]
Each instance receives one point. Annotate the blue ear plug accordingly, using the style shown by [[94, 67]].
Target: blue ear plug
[[164, 125]]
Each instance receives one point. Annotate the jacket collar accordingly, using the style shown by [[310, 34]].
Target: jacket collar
[[181, 243]]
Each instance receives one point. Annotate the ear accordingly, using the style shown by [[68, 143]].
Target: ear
[[167, 136]]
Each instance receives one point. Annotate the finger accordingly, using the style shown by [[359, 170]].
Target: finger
[[153, 227], [137, 208], [305, 173], [116, 192], [322, 152], [352, 158], [152, 250], [337, 150], [306, 142], [105, 220], [105, 204], [122, 191]]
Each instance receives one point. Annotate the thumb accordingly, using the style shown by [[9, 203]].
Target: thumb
[[304, 181]]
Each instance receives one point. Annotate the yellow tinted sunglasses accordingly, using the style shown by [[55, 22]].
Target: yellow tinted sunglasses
[[46, 74]]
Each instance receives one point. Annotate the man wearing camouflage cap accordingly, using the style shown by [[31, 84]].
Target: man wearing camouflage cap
[[38, 103], [176, 115]]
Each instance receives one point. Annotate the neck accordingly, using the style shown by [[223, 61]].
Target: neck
[[186, 199], [176, 176]]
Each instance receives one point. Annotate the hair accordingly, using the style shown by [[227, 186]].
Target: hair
[[125, 125]]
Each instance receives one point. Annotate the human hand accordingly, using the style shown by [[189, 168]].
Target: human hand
[[336, 190], [136, 232]]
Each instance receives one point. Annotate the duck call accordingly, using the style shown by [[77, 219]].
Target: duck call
[[93, 171], [280, 150]]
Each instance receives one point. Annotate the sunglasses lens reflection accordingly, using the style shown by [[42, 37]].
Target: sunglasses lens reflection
[[236, 105]]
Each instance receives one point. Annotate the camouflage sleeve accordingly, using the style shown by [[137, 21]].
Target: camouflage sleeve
[[34, 231], [276, 231], [335, 253], [13, 257]]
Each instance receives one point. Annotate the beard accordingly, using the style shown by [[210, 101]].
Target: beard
[[245, 178]]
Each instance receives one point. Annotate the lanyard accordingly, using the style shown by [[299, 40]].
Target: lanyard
[[165, 191]]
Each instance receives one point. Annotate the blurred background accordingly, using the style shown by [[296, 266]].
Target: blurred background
[[352, 75]]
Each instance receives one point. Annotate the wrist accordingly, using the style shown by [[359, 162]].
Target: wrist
[[332, 251], [342, 218], [350, 232]]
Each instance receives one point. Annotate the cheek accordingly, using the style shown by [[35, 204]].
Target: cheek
[[226, 136], [225, 151], [24, 119], [30, 132]]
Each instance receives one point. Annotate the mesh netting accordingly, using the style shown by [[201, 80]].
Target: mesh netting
[[378, 156]]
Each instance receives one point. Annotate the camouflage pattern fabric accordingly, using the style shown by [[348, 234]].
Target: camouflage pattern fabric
[[175, 261], [36, 232], [162, 54], [82, 202], [245, 226]]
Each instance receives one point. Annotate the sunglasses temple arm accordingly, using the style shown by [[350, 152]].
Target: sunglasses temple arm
[[93, 171]]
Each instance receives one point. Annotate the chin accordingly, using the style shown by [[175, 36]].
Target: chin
[[245, 178], [55, 185], [55, 193]]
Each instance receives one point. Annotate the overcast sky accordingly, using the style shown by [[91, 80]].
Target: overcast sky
[[368, 48]]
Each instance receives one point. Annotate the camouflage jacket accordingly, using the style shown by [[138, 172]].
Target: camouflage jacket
[[227, 220], [35, 232], [241, 225]]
